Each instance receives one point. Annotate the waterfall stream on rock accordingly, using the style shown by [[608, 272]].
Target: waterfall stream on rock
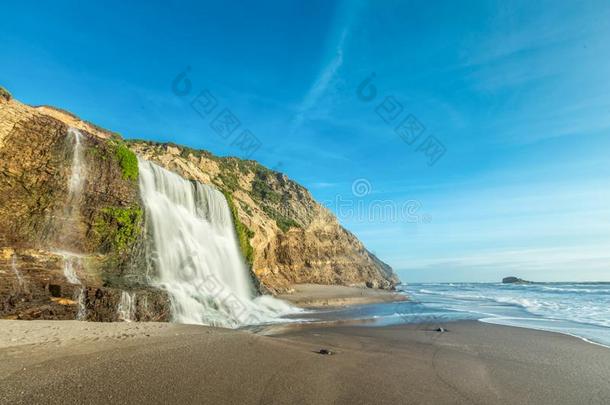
[[76, 182], [69, 272], [127, 306], [18, 274], [79, 171], [71, 262], [196, 255], [70, 233]]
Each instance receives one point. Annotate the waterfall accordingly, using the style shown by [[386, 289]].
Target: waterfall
[[197, 258], [15, 269], [69, 272], [81, 315], [71, 261], [69, 229], [69, 235], [79, 171], [127, 306]]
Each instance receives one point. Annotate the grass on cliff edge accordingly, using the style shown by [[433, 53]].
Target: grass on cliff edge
[[227, 181]]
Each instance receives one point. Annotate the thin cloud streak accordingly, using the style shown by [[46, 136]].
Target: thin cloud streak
[[317, 91]]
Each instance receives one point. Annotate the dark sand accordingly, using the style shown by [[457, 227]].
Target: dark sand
[[320, 296], [164, 363]]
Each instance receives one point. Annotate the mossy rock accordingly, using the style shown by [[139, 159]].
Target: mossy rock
[[119, 228]]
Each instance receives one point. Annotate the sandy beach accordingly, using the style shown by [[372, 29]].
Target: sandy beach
[[320, 296], [80, 362]]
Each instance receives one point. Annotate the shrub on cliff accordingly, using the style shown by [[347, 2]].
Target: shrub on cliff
[[119, 228], [5, 94], [128, 161]]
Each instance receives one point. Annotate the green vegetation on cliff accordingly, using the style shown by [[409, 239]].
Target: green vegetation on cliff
[[262, 192], [282, 221], [128, 161], [243, 233], [119, 228], [267, 187]]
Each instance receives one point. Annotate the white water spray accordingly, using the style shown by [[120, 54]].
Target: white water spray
[[18, 274], [69, 228], [81, 315], [71, 262], [127, 306], [197, 257], [79, 171], [69, 271]]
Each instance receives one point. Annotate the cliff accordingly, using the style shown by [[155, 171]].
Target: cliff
[[285, 235], [38, 224], [293, 238]]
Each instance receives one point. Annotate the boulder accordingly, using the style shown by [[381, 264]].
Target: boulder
[[514, 280]]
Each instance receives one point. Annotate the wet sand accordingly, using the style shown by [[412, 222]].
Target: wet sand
[[166, 363], [321, 296]]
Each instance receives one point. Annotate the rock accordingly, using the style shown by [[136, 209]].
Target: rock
[[55, 290], [4, 94], [514, 280]]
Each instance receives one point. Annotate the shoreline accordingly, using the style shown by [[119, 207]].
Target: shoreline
[[469, 361], [565, 333], [317, 296], [156, 362]]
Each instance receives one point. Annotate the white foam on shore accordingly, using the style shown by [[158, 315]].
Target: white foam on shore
[[516, 324]]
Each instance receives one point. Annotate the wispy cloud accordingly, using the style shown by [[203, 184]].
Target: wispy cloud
[[320, 86], [322, 184]]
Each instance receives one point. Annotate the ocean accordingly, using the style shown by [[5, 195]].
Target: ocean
[[578, 309]]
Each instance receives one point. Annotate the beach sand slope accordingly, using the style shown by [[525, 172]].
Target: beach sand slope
[[78, 362]]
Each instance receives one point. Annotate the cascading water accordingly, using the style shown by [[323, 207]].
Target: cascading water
[[18, 274], [127, 306], [69, 272], [71, 261], [197, 258], [70, 232], [79, 171], [68, 238]]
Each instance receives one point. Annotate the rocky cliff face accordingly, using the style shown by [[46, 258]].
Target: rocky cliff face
[[293, 238], [100, 234], [101, 227]]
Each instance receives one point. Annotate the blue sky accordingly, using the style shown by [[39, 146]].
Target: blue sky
[[517, 93]]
